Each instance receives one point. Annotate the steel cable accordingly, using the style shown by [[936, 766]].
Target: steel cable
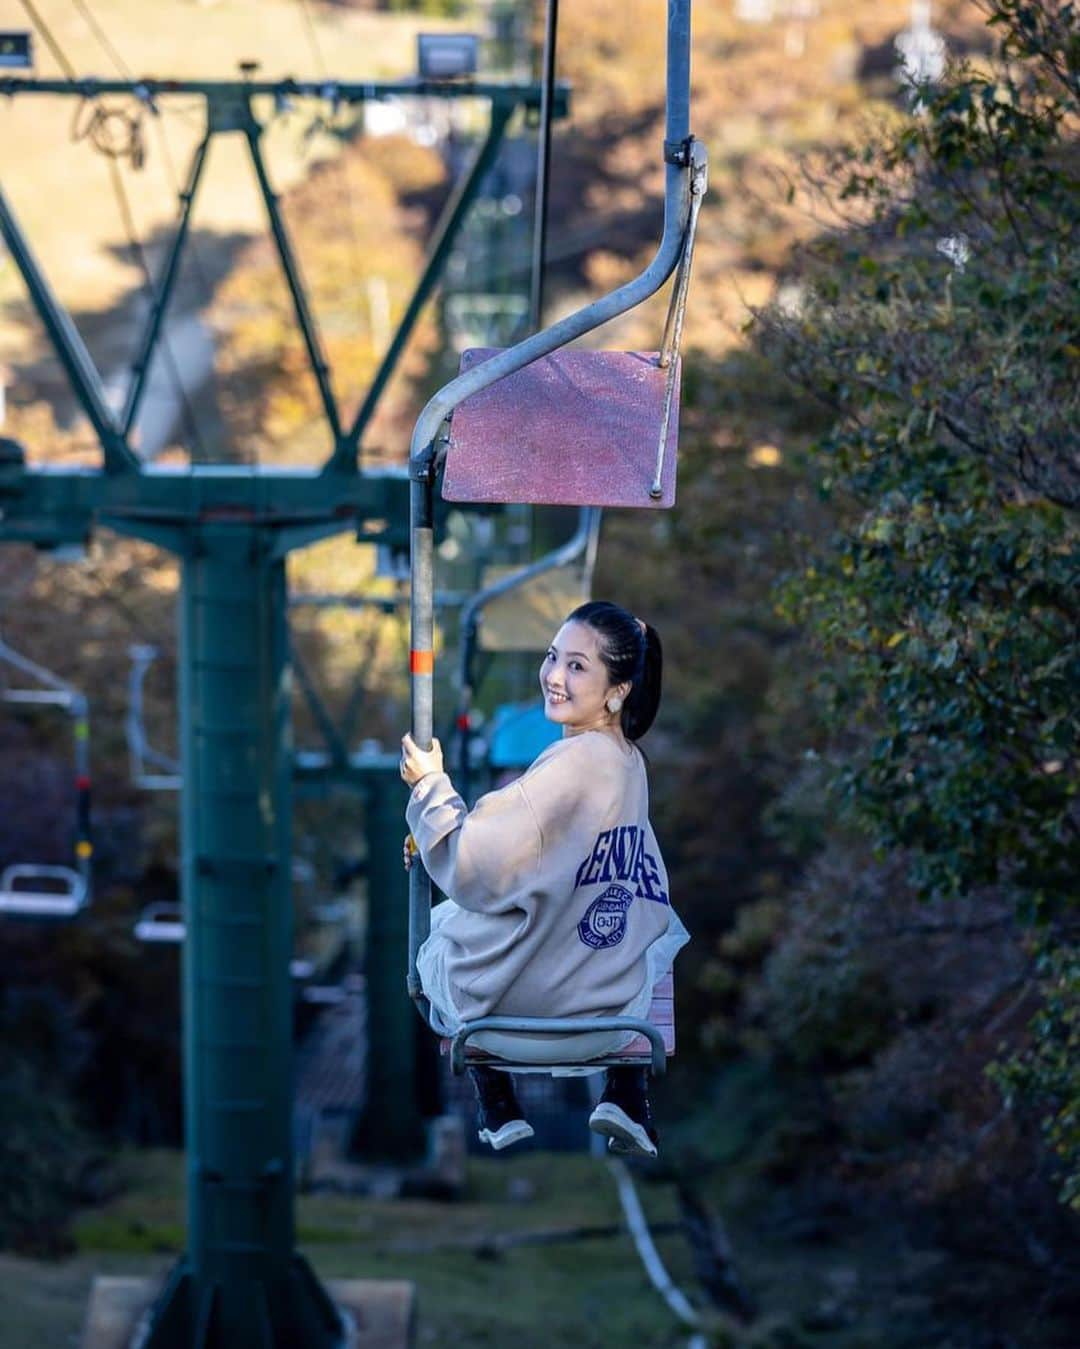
[[51, 42], [97, 130]]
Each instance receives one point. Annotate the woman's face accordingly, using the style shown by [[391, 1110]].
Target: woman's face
[[574, 681]]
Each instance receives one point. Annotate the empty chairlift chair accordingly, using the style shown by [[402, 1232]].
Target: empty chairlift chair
[[49, 890]]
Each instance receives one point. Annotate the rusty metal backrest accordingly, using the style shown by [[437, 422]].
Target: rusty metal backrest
[[575, 428]]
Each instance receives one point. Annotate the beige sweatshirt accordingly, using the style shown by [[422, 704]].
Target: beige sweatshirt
[[558, 880]]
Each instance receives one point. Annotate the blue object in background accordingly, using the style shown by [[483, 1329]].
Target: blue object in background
[[519, 732]]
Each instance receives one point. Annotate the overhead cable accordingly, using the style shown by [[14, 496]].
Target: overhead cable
[[101, 36], [52, 44], [97, 130], [346, 196], [313, 38]]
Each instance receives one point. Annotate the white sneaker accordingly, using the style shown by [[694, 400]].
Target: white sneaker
[[623, 1134], [513, 1131]]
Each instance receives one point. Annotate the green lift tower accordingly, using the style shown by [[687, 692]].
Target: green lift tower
[[240, 1283]]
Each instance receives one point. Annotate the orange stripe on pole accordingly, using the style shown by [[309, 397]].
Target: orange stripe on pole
[[421, 662]]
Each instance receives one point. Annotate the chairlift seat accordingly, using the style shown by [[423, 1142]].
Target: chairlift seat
[[534, 1050], [523, 619], [518, 733], [161, 923], [21, 891], [575, 428]]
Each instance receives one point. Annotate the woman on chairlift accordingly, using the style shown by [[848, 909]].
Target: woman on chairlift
[[558, 896]]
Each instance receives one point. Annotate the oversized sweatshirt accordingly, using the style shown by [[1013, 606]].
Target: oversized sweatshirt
[[557, 880]]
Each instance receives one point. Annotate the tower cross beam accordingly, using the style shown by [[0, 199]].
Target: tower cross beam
[[229, 108]]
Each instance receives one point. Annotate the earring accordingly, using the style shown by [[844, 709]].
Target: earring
[[614, 704]]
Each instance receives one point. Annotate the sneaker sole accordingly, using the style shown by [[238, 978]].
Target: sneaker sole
[[515, 1131], [622, 1133]]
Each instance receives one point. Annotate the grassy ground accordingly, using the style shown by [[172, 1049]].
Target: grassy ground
[[821, 1276], [581, 1293]]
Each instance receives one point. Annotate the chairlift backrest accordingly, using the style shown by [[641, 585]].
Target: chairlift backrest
[[574, 428], [42, 891], [524, 618], [161, 923]]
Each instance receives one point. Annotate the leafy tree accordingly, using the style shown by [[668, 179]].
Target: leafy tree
[[442, 9], [939, 324]]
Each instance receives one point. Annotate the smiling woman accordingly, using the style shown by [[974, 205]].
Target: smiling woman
[[574, 681], [558, 895]]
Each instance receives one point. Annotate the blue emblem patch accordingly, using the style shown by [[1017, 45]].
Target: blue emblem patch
[[604, 923]]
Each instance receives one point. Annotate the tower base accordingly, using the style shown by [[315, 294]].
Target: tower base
[[378, 1314]]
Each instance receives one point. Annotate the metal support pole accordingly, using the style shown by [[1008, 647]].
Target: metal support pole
[[240, 1282], [421, 685], [543, 168], [141, 366], [304, 318], [70, 348]]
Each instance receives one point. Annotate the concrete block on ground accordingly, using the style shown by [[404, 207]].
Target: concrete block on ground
[[382, 1312]]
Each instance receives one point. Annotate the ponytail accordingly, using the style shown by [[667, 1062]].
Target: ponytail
[[639, 710]]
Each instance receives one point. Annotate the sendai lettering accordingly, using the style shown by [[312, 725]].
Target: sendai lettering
[[619, 854]]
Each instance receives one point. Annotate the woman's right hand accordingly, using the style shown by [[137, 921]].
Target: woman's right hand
[[417, 763]]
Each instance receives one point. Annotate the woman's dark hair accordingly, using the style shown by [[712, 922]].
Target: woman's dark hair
[[629, 655]]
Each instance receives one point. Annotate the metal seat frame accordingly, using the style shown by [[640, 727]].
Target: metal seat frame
[[562, 1025], [43, 903]]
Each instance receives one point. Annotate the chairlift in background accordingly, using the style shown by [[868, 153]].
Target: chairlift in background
[[447, 56], [477, 319], [16, 51], [523, 619], [48, 890], [920, 50], [161, 923], [140, 751]]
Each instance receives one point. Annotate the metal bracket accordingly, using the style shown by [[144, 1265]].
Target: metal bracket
[[230, 110], [699, 168], [678, 152], [423, 467], [698, 163]]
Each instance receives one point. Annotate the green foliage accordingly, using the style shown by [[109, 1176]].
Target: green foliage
[[941, 613], [947, 624], [43, 1152], [824, 993], [439, 9], [1048, 1072]]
